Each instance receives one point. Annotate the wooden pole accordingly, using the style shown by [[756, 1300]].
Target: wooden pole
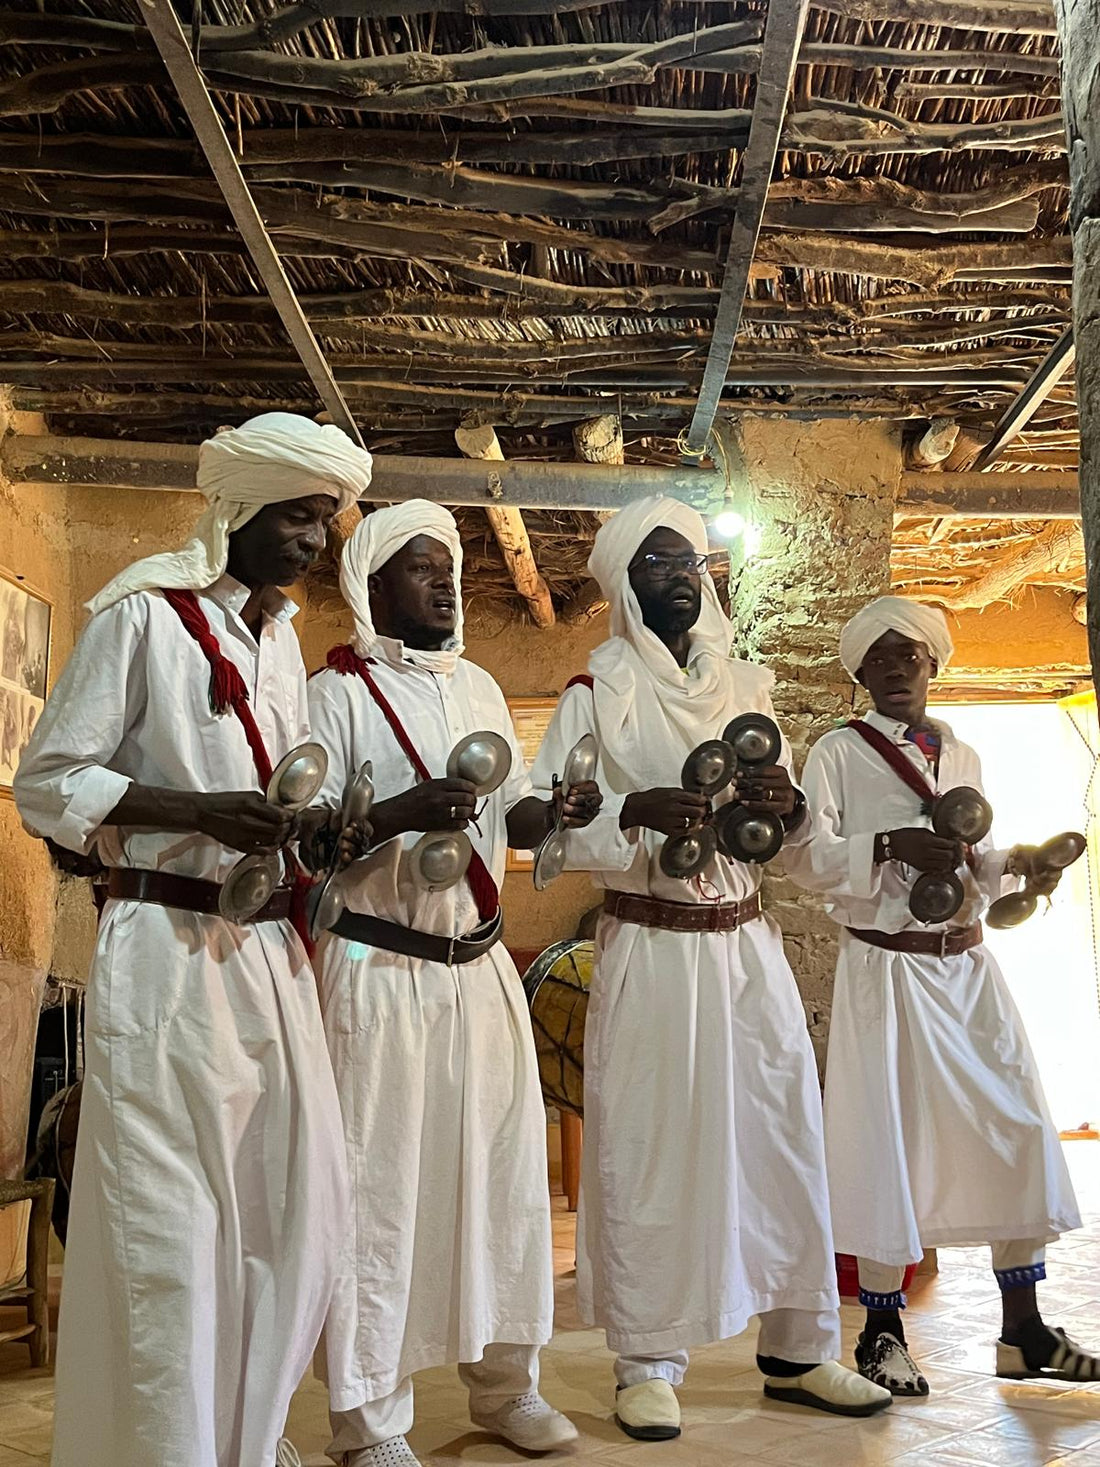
[[510, 531], [1079, 29]]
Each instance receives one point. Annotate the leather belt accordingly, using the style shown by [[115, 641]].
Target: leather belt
[[393, 938], [645, 911], [188, 893], [950, 943]]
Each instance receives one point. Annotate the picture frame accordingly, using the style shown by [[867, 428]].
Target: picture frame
[[530, 719], [26, 625]]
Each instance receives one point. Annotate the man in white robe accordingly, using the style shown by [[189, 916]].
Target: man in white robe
[[450, 1255], [937, 1131], [209, 1197], [703, 1197]]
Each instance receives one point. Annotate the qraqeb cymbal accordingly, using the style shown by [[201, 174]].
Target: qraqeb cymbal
[[484, 758], [684, 856], [1055, 854], [936, 896]]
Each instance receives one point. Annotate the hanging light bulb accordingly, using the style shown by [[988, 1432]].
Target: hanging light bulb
[[729, 524]]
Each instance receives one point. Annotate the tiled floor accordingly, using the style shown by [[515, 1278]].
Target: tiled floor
[[970, 1419]]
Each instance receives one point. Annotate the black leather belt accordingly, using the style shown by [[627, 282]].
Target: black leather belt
[[393, 938], [188, 893], [951, 943]]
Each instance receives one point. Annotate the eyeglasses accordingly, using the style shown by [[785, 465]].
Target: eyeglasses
[[664, 567]]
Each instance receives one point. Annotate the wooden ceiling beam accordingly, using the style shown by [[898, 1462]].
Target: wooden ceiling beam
[[1004, 495], [506, 523], [1020, 412], [119, 464], [171, 42], [785, 24]]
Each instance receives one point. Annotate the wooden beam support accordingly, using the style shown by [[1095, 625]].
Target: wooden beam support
[[509, 529], [930, 450], [975, 496], [171, 42], [595, 441], [782, 37], [1079, 33], [120, 464], [1020, 412], [1051, 550]]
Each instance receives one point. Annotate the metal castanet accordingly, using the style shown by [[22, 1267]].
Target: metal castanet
[[440, 858], [753, 837], [580, 766], [709, 768], [1055, 855], [936, 896], [327, 899], [962, 813], [684, 856], [295, 781], [483, 758]]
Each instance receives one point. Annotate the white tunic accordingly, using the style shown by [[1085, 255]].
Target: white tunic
[[209, 1199], [703, 1196], [436, 1070], [937, 1129]]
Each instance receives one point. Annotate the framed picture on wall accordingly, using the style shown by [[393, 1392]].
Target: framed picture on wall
[[530, 719], [25, 617]]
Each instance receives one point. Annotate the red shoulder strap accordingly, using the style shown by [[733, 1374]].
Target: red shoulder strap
[[896, 760], [346, 660], [227, 689], [582, 679]]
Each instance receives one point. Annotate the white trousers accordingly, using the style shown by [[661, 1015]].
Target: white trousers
[[503, 1373], [799, 1335], [885, 1278]]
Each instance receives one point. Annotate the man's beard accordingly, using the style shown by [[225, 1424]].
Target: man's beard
[[665, 619]]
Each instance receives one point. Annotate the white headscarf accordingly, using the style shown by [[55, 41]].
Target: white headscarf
[[268, 460], [649, 716], [912, 619], [377, 539]]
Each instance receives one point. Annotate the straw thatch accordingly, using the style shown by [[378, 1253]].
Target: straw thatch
[[515, 212]]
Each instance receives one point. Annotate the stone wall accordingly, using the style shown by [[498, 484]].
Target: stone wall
[[818, 499]]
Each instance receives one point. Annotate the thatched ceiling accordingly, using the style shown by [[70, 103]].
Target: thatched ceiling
[[519, 217]]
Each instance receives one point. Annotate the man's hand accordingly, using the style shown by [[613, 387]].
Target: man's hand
[[767, 789], [437, 804], [578, 807], [243, 820], [1042, 880], [668, 811], [922, 849], [322, 842]]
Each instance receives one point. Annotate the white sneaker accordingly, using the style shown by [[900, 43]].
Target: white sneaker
[[394, 1453], [529, 1423], [830, 1387], [648, 1411], [286, 1455]]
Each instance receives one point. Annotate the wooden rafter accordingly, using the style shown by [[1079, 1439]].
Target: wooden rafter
[[511, 534], [1022, 409], [782, 38]]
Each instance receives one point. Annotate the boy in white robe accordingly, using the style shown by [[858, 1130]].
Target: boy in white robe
[[936, 1126], [703, 1197], [209, 1198], [450, 1256]]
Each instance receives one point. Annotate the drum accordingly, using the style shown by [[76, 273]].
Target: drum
[[556, 985]]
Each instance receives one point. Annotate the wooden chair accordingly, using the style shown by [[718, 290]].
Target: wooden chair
[[32, 1288]]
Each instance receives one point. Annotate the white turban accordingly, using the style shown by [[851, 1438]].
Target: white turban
[[377, 539], [912, 619], [268, 460], [649, 716]]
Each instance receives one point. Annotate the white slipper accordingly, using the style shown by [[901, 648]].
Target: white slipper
[[393, 1453], [830, 1387], [649, 1411], [529, 1423]]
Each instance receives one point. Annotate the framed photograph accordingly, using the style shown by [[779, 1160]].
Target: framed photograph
[[25, 616], [530, 719]]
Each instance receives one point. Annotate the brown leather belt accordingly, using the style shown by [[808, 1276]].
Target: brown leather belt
[[163, 889], [948, 944], [681, 916]]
